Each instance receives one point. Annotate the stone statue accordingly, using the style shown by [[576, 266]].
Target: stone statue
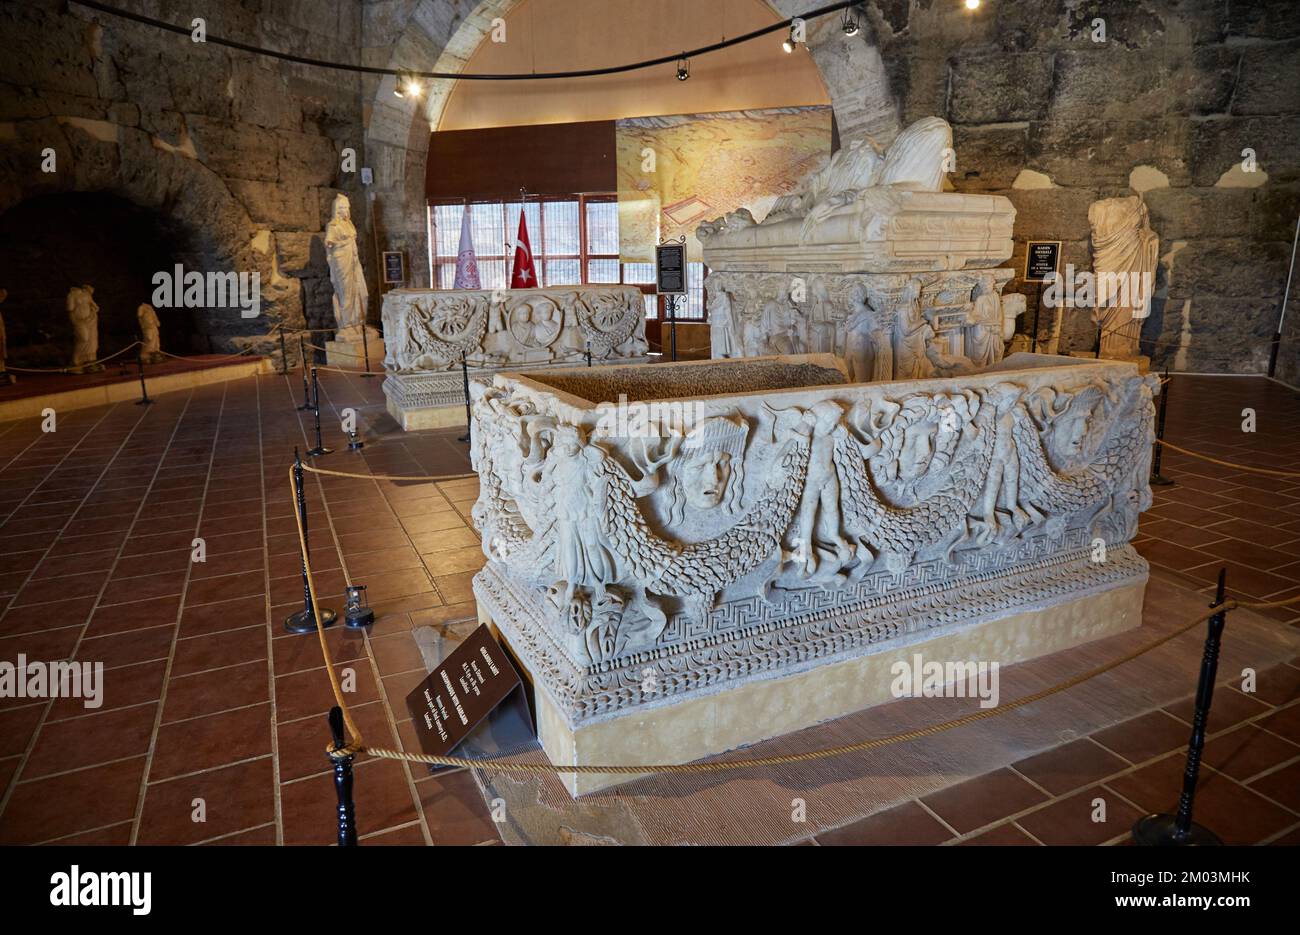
[[867, 348], [722, 325], [346, 275], [84, 314], [984, 341], [1125, 251], [4, 343], [912, 336], [150, 351]]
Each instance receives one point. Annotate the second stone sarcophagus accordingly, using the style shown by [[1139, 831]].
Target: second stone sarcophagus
[[690, 557], [428, 332]]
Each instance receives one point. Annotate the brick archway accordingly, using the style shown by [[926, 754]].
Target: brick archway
[[397, 132]]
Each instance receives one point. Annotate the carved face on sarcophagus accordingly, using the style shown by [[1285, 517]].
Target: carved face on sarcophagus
[[729, 518]]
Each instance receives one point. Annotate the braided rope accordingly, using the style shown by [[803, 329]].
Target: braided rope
[[1231, 464], [356, 744]]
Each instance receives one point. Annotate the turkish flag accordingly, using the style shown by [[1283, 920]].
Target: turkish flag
[[524, 275]]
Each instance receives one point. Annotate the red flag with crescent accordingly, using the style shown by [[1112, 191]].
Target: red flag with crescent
[[524, 275]]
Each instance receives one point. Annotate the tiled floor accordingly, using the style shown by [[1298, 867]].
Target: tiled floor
[[212, 727]]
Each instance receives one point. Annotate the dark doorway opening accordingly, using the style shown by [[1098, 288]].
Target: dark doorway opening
[[50, 243]]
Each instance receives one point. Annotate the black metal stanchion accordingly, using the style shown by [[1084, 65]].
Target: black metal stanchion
[[144, 399], [1099, 336], [302, 356], [1038, 301], [672, 324], [588, 353], [464, 375], [320, 448], [1156, 477], [365, 351], [284, 356], [1179, 830], [347, 812], [304, 621]]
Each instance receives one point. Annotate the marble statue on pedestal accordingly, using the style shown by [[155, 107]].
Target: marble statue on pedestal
[[346, 275], [84, 314], [1125, 251], [150, 343]]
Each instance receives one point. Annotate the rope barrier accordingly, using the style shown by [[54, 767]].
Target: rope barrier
[[244, 353], [436, 478], [1231, 464], [74, 368], [356, 744]]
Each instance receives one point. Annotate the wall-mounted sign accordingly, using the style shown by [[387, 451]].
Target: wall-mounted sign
[[475, 678], [1042, 260], [394, 266], [670, 268]]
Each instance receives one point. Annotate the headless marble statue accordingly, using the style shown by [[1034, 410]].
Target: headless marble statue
[[84, 314], [150, 343]]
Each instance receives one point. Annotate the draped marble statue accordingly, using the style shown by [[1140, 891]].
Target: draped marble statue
[[1125, 251], [150, 343], [346, 275], [84, 314]]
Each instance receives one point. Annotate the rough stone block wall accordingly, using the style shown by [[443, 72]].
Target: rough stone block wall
[[1163, 107], [243, 151]]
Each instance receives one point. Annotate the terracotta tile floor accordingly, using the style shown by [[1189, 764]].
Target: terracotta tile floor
[[207, 698]]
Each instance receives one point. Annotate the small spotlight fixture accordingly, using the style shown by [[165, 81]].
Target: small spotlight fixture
[[849, 22], [972, 4], [790, 41], [406, 85], [683, 68]]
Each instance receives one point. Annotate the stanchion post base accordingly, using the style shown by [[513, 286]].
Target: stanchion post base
[[144, 402], [299, 622], [1159, 480], [1162, 831], [317, 452]]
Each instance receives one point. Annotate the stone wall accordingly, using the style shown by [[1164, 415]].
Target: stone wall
[[242, 151], [1163, 107]]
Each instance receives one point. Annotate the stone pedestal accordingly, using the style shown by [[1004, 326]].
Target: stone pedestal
[[769, 707], [350, 352], [1141, 361]]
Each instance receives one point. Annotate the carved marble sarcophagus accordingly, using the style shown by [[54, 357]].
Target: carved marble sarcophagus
[[428, 331], [871, 260], [689, 557]]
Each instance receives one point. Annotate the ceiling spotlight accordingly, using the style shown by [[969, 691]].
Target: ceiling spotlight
[[849, 23], [683, 68], [972, 4], [790, 41], [406, 85]]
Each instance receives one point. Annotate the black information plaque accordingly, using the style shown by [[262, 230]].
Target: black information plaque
[[1042, 260], [475, 678], [670, 268], [394, 266]]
